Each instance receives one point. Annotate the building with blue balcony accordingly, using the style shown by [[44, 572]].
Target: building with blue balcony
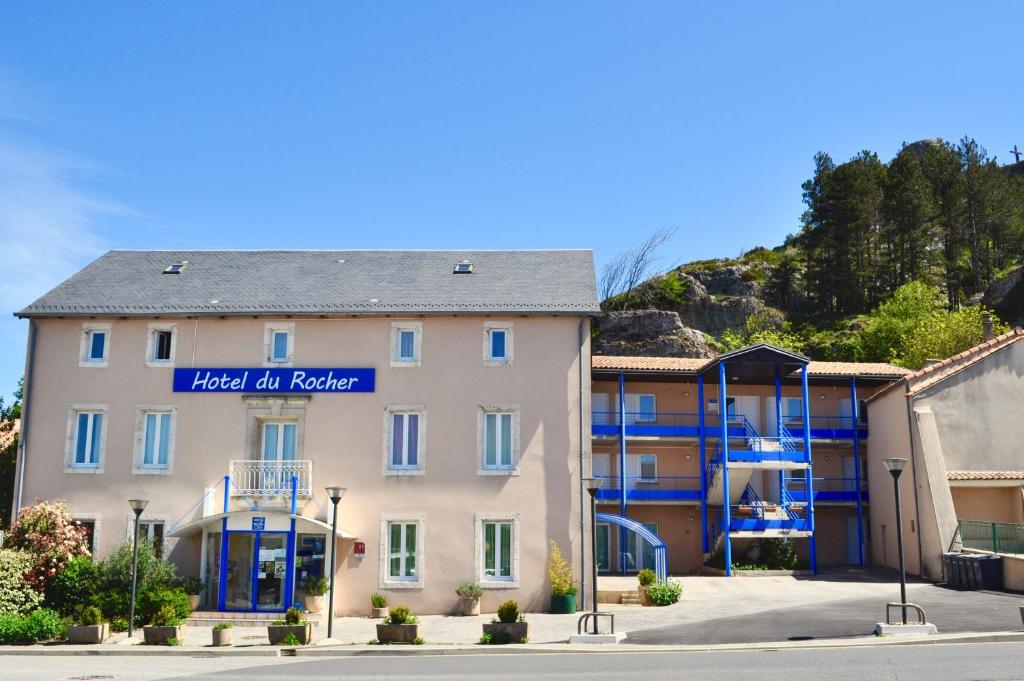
[[709, 456]]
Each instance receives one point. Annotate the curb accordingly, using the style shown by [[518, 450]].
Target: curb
[[136, 651]]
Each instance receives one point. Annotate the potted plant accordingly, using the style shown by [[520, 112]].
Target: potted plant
[[222, 634], [91, 627], [469, 594], [313, 589], [563, 590], [510, 627], [165, 628], [378, 606], [292, 630], [645, 578], [193, 586], [400, 627]]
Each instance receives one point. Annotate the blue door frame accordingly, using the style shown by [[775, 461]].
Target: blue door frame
[[289, 587]]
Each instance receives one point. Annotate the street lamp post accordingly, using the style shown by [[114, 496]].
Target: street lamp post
[[138, 505], [593, 485], [335, 494], [895, 467]]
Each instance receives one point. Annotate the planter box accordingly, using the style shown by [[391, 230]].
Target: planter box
[[469, 606], [88, 633], [377, 613], [508, 632], [222, 637], [398, 633], [314, 604], [563, 605], [277, 633], [158, 636], [644, 598]]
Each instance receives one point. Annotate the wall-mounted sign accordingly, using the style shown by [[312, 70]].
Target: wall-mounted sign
[[274, 380], [259, 523], [359, 548]]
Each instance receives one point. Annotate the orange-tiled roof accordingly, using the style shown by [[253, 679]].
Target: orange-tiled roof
[[939, 371], [985, 475], [694, 364]]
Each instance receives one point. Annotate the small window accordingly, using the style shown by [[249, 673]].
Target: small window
[[278, 343], [498, 343], [497, 558], [176, 268], [279, 441], [648, 467], [464, 267], [88, 439], [405, 437], [402, 556], [90, 533], [162, 346], [406, 344], [279, 347], [156, 437], [95, 346], [152, 531], [498, 440]]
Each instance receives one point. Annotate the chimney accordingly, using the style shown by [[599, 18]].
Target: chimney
[[986, 327]]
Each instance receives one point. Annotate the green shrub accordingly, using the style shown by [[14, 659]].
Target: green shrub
[[74, 586], [418, 641], [17, 596], [315, 586], [90, 616], [293, 616], [10, 628], [173, 641], [665, 593], [776, 553], [469, 590], [559, 572], [153, 572], [291, 639], [119, 624], [378, 601], [646, 577], [166, 616], [400, 615], [193, 586], [508, 611], [222, 626], [43, 625], [153, 601]]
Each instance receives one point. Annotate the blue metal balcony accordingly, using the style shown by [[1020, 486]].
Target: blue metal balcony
[[827, 427], [753, 514], [660, 488], [835, 490], [750, 447], [646, 424]]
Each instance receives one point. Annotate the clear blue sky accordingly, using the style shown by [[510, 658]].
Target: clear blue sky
[[472, 124]]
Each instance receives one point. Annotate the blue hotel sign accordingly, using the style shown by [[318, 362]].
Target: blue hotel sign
[[274, 380]]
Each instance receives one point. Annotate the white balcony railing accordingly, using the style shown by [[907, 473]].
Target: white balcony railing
[[252, 478]]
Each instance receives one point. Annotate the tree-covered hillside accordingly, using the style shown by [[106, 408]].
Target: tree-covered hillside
[[894, 261]]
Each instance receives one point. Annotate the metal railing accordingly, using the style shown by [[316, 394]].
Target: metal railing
[[995, 537], [640, 488], [253, 478], [646, 418]]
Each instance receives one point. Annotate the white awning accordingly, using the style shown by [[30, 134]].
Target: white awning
[[197, 525]]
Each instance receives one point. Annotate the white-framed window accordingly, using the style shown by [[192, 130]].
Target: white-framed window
[[161, 344], [497, 343], [154, 438], [499, 439], [406, 343], [91, 523], [401, 543], [95, 345], [279, 441], [497, 550], [404, 439], [86, 438], [151, 530], [278, 343]]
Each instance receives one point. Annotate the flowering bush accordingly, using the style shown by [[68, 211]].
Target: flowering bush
[[48, 532], [17, 597]]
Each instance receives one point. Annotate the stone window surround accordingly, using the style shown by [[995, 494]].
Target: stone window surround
[[84, 346], [138, 450], [478, 533], [505, 361], [421, 450], [268, 339], [261, 409], [417, 343], [69, 439], [95, 519], [151, 330], [385, 581], [481, 431]]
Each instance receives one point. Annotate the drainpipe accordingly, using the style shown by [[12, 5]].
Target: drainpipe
[[26, 395], [913, 472], [583, 526]]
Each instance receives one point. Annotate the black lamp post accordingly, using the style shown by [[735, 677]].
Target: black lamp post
[[895, 467], [593, 485], [138, 505], [335, 494]]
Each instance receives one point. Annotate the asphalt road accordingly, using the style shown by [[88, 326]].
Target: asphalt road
[[962, 662], [951, 611]]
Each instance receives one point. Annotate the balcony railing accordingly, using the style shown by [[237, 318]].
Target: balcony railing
[[660, 488], [827, 489], [827, 427], [995, 537], [252, 478], [687, 424]]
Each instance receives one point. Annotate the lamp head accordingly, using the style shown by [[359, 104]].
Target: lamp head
[[895, 466], [138, 505], [593, 485], [335, 494]]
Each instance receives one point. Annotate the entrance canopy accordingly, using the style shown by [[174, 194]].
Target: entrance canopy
[[756, 364], [196, 526]]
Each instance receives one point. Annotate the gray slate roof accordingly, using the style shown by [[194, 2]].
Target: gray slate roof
[[126, 283]]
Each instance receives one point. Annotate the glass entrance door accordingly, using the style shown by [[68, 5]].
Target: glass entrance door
[[238, 581], [271, 571]]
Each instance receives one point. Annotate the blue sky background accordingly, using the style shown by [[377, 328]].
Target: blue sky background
[[469, 124]]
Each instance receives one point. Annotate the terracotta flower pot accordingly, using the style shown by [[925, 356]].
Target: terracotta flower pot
[[469, 606]]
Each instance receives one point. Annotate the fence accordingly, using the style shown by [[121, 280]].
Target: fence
[[995, 537]]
